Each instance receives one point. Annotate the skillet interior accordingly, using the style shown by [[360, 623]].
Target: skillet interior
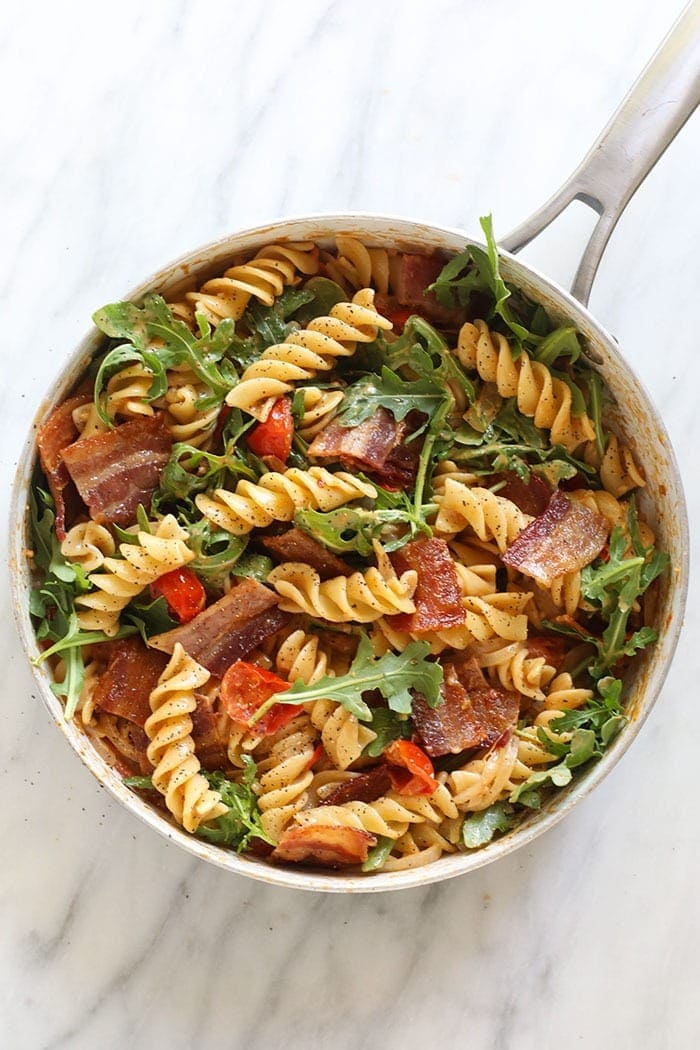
[[634, 417]]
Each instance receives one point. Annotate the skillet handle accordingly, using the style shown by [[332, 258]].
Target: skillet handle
[[649, 118]]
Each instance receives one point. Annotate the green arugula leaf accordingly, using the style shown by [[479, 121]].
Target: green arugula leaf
[[395, 675], [389, 726], [422, 349], [325, 295], [149, 617], [140, 783], [256, 566], [242, 822], [351, 529], [390, 391], [378, 855], [478, 829], [217, 552]]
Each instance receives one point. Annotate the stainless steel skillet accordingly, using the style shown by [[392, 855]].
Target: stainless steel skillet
[[654, 111]]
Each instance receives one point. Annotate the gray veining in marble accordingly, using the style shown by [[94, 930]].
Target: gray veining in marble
[[133, 132]]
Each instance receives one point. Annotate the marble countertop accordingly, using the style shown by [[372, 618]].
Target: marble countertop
[[134, 132]]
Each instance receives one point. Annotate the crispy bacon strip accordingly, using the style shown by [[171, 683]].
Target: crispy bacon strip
[[530, 496], [472, 714], [297, 545], [209, 732], [56, 434], [227, 630], [563, 539], [367, 787], [416, 273], [116, 471], [365, 447], [437, 597], [327, 846], [132, 672]]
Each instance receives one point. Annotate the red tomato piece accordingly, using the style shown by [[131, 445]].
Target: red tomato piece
[[415, 774], [183, 592], [274, 436], [244, 689]]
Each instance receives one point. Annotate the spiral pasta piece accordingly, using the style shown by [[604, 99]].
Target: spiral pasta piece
[[121, 579], [300, 657], [88, 544], [490, 517], [564, 696], [285, 774], [359, 266], [447, 468], [176, 772], [307, 352], [264, 277], [360, 597], [618, 471], [344, 738], [513, 668], [540, 395], [277, 496], [320, 406], [386, 816]]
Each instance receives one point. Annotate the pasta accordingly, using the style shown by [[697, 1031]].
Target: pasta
[[306, 353], [289, 569], [277, 496], [121, 579], [360, 597], [171, 750], [540, 396]]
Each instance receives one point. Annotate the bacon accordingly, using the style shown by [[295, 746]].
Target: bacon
[[297, 545], [132, 673], [438, 598], [209, 734], [531, 497], [227, 630], [472, 714], [116, 471], [329, 847], [416, 273], [552, 649], [53, 437], [367, 787], [364, 447], [563, 539]]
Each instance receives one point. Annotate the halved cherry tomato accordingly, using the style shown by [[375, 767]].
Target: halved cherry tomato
[[416, 774], [183, 592], [245, 688], [274, 436]]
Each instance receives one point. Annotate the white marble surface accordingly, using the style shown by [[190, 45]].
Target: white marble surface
[[132, 132]]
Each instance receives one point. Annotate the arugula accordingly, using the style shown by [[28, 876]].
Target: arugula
[[378, 855], [399, 396], [242, 822], [475, 275], [422, 349], [592, 728], [325, 295], [52, 603], [160, 341], [190, 470], [393, 674], [351, 529], [140, 783], [256, 566], [614, 586], [479, 828], [149, 617], [271, 324], [389, 726], [217, 553]]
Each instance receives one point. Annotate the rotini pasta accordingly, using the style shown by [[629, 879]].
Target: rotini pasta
[[304, 354], [361, 597], [540, 396], [120, 579], [171, 750], [277, 496], [489, 516]]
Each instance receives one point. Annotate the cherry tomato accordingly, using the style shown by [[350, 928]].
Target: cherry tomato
[[274, 436], [183, 593], [245, 688], [410, 769]]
